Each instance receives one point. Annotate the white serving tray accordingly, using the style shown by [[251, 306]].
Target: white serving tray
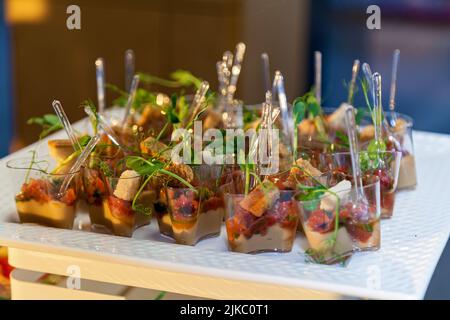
[[412, 242]]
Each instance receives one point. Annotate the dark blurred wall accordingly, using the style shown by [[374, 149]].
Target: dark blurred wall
[[420, 29], [51, 61]]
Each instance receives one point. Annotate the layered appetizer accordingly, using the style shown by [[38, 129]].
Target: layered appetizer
[[39, 199], [335, 225]]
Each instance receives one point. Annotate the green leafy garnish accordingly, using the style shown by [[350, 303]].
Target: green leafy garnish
[[94, 119], [149, 168], [142, 98], [179, 78], [49, 123]]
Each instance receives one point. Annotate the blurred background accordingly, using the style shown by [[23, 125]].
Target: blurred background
[[42, 60]]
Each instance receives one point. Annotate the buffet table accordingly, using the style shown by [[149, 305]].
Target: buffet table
[[412, 242]]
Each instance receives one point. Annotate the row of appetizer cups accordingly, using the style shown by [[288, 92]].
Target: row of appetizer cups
[[265, 219]]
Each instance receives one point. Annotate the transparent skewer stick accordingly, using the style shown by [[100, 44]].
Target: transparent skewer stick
[[378, 108], [266, 70], [368, 75], [199, 99], [351, 87], [77, 165], [103, 124], [286, 120], [66, 124], [318, 76], [354, 152], [228, 59], [129, 68], [395, 60], [131, 96], [236, 70], [100, 76], [221, 76]]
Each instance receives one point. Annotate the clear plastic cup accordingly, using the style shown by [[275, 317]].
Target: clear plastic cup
[[109, 209], [337, 228], [37, 192], [400, 139], [194, 214], [384, 167], [262, 221]]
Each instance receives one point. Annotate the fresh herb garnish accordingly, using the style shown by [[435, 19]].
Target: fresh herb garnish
[[49, 123], [179, 78], [149, 168]]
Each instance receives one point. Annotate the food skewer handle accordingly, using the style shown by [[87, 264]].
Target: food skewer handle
[[285, 118], [129, 68], [199, 99], [354, 149], [59, 110], [236, 70], [396, 58], [368, 75], [318, 76], [131, 96], [100, 76], [266, 70], [351, 88], [103, 124], [77, 165], [378, 109]]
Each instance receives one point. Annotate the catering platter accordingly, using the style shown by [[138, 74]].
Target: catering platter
[[412, 241]]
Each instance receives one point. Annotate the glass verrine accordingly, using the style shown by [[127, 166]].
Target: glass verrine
[[110, 200], [336, 224], [264, 220], [400, 138], [37, 185], [384, 166], [196, 214], [402, 133]]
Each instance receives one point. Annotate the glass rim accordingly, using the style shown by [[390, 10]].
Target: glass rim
[[23, 166], [409, 119], [243, 194], [364, 187], [398, 153]]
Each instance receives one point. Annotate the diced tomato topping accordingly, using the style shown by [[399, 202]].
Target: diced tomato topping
[[319, 221], [386, 181], [212, 203], [36, 189], [69, 197], [119, 207], [359, 232]]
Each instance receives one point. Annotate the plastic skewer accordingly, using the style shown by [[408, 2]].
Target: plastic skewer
[[354, 152], [266, 70], [129, 68], [378, 108], [199, 99], [395, 60], [77, 165], [66, 124], [351, 88], [100, 76], [236, 70], [285, 117], [131, 96], [368, 75], [318, 76], [103, 124]]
